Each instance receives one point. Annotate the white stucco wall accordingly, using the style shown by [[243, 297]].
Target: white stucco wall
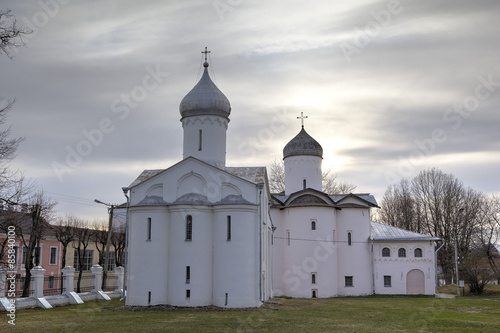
[[300, 168], [213, 141], [398, 268], [217, 266]]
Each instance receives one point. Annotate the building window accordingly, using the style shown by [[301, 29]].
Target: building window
[[386, 252], [189, 227], [111, 260], [402, 253], [227, 296], [53, 255], [228, 227], [188, 293], [288, 237], [348, 281], [314, 293], [88, 260], [313, 225], [149, 297], [387, 281], [188, 274], [200, 134], [313, 278], [148, 235], [304, 183], [36, 255], [349, 238], [418, 252]]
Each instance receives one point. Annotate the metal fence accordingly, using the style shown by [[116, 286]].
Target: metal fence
[[52, 285]]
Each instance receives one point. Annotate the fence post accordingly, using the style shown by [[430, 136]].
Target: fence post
[[119, 278], [38, 273], [68, 279], [96, 277]]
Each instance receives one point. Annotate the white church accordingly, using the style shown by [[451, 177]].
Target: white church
[[202, 233]]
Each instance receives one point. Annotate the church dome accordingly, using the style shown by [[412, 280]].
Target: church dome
[[205, 99], [303, 144]]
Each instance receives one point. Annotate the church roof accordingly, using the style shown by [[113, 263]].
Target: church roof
[[302, 144], [253, 174], [205, 99], [381, 231], [336, 199], [153, 200]]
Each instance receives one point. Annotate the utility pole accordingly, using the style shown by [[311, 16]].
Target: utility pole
[[106, 256]]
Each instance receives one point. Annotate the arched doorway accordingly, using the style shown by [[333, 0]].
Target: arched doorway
[[415, 282]]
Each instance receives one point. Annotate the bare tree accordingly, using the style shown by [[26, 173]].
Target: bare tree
[[100, 238], [438, 204], [83, 236], [65, 234], [487, 233], [118, 242], [11, 35], [31, 230], [476, 272], [331, 185]]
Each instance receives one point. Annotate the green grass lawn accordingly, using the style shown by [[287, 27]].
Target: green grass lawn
[[370, 314]]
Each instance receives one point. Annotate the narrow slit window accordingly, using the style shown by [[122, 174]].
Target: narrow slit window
[[304, 184], [226, 299], [149, 297], [148, 235], [349, 238], [189, 227], [228, 227], [188, 274], [288, 237], [313, 278], [200, 139], [188, 293]]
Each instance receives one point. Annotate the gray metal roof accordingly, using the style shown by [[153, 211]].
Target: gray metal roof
[[338, 197], [233, 199], [381, 231], [205, 99], [253, 174], [192, 199], [303, 144], [153, 200]]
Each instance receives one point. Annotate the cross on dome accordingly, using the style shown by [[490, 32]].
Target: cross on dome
[[205, 64], [302, 117]]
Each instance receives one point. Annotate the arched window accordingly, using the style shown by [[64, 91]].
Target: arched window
[[189, 227], [313, 278], [402, 253], [304, 183], [313, 225], [349, 238], [418, 252], [386, 252]]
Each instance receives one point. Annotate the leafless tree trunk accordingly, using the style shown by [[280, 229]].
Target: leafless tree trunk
[[65, 234], [82, 239], [118, 242]]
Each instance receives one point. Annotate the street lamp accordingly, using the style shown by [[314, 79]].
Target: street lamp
[[110, 227], [125, 261]]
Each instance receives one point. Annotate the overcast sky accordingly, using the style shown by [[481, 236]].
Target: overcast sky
[[389, 87]]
